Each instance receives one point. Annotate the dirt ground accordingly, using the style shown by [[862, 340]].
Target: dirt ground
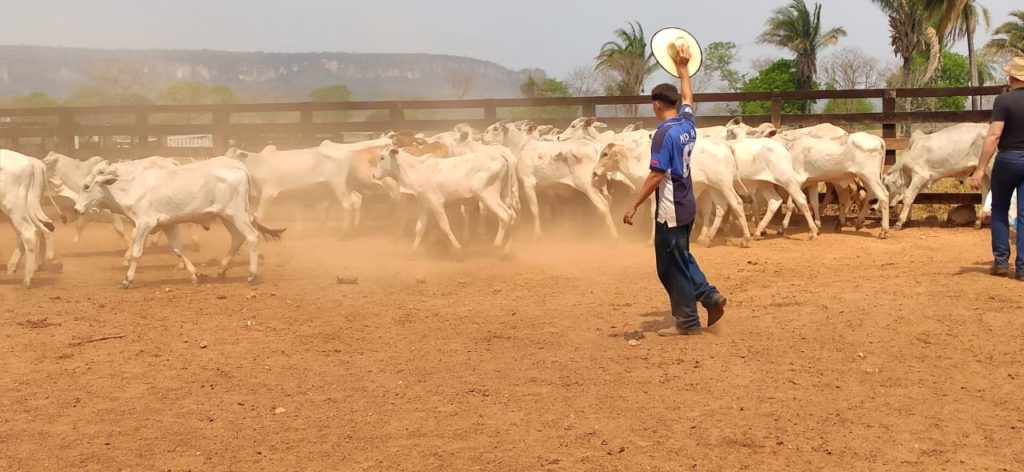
[[846, 353]]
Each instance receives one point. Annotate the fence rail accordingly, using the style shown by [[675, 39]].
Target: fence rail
[[37, 130]]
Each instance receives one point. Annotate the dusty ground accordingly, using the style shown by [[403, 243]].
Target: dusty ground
[[847, 353]]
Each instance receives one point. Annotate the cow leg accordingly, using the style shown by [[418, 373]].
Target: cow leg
[[801, 202], [421, 228], [29, 242], [704, 207], [140, 234], [492, 200], [844, 200], [237, 238], [877, 190], [442, 222], [721, 207], [602, 207], [916, 185], [787, 211], [774, 202], [530, 194], [244, 227], [175, 241], [986, 185], [654, 220], [80, 226], [357, 208], [814, 200], [50, 250]]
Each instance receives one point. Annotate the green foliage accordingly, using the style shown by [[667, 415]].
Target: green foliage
[[332, 93], [35, 100], [627, 60], [954, 72], [798, 28], [719, 57], [92, 96], [532, 88], [196, 93], [849, 105], [778, 77], [1009, 36]]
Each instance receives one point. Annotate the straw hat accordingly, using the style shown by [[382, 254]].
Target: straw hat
[[1015, 68], [677, 36]]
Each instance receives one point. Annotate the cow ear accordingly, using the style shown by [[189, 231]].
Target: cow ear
[[735, 121], [589, 121], [393, 152], [109, 180], [771, 133]]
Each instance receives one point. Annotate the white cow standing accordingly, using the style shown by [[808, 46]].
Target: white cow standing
[[161, 198], [551, 163], [482, 176], [22, 183], [951, 152], [840, 162]]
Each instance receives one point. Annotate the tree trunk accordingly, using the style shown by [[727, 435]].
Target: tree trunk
[[975, 100], [907, 70]]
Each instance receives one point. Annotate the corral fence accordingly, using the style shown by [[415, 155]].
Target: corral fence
[[128, 132]]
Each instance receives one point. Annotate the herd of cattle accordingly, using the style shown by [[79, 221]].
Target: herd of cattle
[[490, 171]]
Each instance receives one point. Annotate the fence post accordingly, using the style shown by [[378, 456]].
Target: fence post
[[889, 128], [396, 116], [141, 123], [65, 132], [588, 109], [490, 112], [221, 123], [776, 112], [306, 119]]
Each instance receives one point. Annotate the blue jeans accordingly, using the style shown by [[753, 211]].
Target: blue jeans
[[1007, 176], [680, 274]]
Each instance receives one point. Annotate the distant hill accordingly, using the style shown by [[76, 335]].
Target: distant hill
[[261, 75]]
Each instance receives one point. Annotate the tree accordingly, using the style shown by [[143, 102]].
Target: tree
[[1009, 36], [964, 26], [221, 95], [184, 93], [582, 82], [849, 105], [779, 77], [911, 30], [798, 29], [850, 68], [954, 72], [35, 100], [719, 58], [533, 88], [628, 61], [124, 81], [332, 93], [461, 82], [91, 95]]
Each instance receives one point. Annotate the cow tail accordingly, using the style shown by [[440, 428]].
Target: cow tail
[[736, 165], [35, 198], [252, 199]]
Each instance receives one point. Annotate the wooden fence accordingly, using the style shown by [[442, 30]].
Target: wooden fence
[[125, 132]]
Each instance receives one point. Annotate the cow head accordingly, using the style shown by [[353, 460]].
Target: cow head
[[387, 165], [96, 187], [896, 185], [586, 127], [495, 134], [465, 132], [611, 158]]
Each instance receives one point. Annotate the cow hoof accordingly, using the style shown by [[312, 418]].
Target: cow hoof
[[222, 274], [27, 284], [883, 235], [898, 227], [977, 225], [253, 280], [781, 232], [745, 243], [814, 237], [126, 284]]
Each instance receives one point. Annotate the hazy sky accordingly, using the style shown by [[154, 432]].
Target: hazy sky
[[555, 35]]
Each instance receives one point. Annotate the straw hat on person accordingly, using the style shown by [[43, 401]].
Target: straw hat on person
[[1015, 68], [666, 56]]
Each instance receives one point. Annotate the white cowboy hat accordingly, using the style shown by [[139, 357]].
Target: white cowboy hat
[[1015, 67], [660, 47]]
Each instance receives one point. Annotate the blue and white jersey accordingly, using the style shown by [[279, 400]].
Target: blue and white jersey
[[670, 155]]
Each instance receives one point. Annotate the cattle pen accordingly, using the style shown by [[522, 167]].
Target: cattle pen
[[128, 132]]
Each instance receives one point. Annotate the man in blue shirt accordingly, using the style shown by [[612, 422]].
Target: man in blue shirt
[[670, 177]]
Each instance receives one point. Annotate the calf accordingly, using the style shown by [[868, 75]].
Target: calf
[[160, 198], [483, 176], [951, 152]]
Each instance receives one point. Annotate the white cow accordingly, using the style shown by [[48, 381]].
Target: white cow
[[840, 162], [22, 182], [482, 176], [68, 176], [545, 164], [590, 128], [986, 209], [951, 152], [161, 198], [713, 172]]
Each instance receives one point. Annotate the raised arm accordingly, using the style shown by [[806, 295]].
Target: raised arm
[[683, 69]]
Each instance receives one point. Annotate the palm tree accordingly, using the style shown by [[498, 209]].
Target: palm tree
[[628, 60], [1009, 37], [912, 28], [964, 26], [798, 29]]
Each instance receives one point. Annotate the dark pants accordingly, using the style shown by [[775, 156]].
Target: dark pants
[[680, 274], [1007, 176]]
